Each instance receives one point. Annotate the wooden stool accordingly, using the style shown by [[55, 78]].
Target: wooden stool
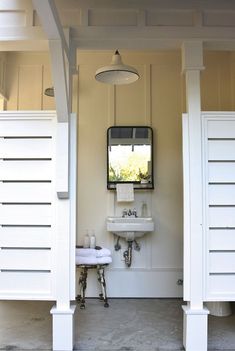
[[83, 283]]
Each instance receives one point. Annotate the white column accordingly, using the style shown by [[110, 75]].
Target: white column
[[195, 329], [63, 328], [195, 316], [62, 160], [63, 311]]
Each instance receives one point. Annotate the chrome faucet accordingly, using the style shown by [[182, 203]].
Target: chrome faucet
[[129, 213]]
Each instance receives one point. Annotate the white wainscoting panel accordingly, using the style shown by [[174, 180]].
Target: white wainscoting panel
[[25, 259], [26, 284], [220, 287], [23, 236], [28, 170], [222, 150], [26, 147], [14, 192], [219, 205], [221, 172], [10, 127], [221, 194], [27, 205], [222, 127]]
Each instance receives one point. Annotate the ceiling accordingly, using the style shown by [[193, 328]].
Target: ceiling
[[126, 24]]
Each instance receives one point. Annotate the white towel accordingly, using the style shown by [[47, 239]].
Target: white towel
[[125, 192], [104, 260], [93, 260], [93, 252], [103, 253], [86, 252]]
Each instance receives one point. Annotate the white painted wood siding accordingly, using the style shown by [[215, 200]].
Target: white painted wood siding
[[219, 205], [27, 205]]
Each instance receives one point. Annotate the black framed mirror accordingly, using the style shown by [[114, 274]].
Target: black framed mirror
[[130, 156]]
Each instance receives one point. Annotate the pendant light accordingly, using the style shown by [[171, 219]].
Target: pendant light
[[117, 73]]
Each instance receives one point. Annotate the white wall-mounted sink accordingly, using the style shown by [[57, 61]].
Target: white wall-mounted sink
[[130, 227]]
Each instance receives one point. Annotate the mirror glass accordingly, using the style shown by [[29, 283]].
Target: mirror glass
[[130, 157]]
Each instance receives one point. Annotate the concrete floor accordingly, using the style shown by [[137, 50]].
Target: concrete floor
[[127, 325]]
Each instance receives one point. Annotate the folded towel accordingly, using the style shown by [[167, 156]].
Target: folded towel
[[125, 192], [103, 253], [91, 260], [104, 260], [93, 252], [86, 252], [86, 260]]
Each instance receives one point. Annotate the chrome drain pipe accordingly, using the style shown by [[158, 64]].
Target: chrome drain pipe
[[128, 254]]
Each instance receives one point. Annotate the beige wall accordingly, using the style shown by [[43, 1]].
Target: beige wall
[[155, 100], [217, 82], [27, 76], [158, 100]]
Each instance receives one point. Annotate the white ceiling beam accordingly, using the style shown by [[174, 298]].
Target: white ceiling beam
[[50, 21], [148, 38], [21, 33], [157, 44], [24, 45], [14, 4], [22, 39], [152, 33], [157, 4]]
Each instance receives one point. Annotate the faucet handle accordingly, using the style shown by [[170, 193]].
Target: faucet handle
[[124, 213], [134, 212]]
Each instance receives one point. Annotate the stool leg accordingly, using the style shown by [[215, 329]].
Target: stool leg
[[101, 296], [83, 284], [101, 279], [78, 297]]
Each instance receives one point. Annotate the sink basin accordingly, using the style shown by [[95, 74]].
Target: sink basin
[[130, 227]]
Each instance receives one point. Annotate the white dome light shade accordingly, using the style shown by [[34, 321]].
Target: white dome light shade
[[117, 73]]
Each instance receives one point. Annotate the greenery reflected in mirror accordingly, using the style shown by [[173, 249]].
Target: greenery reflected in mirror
[[130, 156]]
